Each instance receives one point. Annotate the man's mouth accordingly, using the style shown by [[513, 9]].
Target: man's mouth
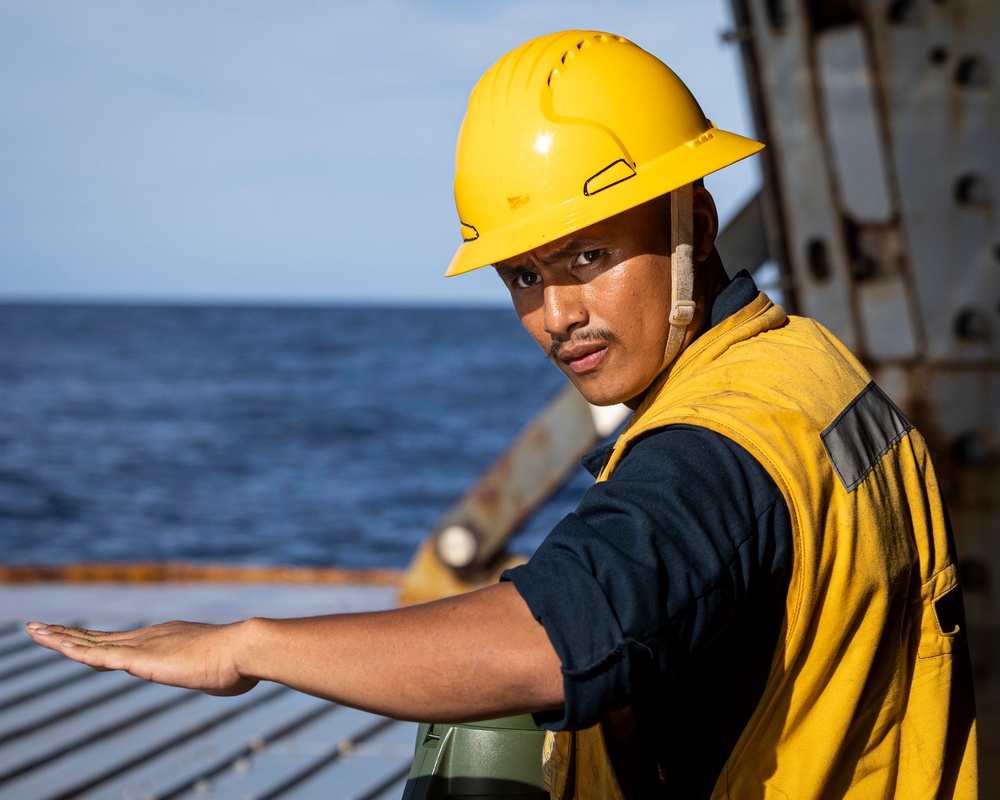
[[584, 350], [582, 357]]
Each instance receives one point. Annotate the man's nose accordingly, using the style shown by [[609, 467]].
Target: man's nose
[[565, 309]]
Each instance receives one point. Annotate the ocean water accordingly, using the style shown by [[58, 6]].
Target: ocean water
[[313, 435]]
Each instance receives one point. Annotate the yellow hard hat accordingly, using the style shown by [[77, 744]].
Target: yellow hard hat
[[569, 129]]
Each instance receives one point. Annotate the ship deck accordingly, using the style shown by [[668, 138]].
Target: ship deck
[[67, 731]]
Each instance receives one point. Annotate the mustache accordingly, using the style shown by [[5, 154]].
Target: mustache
[[605, 335]]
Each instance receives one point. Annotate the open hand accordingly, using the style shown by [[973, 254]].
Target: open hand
[[191, 655]]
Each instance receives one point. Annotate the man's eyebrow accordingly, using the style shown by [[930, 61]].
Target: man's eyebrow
[[578, 244], [507, 271]]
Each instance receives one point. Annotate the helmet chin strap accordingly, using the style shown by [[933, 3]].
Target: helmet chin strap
[[681, 270]]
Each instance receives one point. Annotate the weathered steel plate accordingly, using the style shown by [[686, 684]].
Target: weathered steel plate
[[67, 731]]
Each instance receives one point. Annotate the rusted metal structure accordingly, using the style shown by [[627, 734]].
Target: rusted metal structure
[[880, 204], [880, 199]]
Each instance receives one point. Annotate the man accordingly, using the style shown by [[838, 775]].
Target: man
[[759, 596]]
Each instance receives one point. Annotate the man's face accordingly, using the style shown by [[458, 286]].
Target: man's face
[[598, 301]]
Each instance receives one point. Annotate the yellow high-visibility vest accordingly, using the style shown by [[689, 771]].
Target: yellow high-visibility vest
[[870, 691]]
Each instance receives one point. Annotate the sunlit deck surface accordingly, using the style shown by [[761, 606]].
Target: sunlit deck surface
[[69, 732]]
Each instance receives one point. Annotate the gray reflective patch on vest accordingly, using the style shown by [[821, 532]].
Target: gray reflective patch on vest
[[862, 434]]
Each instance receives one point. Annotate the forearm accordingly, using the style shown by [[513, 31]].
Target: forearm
[[474, 656]]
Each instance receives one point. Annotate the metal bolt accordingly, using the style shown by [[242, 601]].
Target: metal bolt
[[972, 190], [972, 324], [818, 260], [456, 546], [776, 14], [972, 71], [938, 55], [903, 12]]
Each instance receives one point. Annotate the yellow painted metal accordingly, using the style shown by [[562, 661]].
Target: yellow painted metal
[[466, 548], [427, 578]]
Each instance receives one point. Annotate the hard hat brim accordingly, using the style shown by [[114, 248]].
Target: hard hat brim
[[682, 165]]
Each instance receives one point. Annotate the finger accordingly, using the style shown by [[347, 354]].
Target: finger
[[50, 636], [81, 634], [52, 640], [83, 649], [43, 634]]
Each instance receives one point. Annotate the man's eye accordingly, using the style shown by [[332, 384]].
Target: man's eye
[[526, 280], [588, 257]]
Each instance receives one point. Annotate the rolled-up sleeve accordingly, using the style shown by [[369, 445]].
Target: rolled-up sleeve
[[689, 532]]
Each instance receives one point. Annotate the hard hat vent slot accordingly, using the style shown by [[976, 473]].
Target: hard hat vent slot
[[469, 232], [706, 136], [615, 172]]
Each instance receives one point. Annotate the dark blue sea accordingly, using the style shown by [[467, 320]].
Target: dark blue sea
[[312, 435]]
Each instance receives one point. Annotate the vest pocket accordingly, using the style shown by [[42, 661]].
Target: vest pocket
[[942, 613]]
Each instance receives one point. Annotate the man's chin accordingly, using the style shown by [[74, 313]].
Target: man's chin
[[596, 394]]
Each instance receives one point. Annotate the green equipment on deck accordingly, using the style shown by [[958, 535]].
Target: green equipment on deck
[[499, 758]]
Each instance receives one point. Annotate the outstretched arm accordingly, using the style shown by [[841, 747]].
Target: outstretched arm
[[474, 656]]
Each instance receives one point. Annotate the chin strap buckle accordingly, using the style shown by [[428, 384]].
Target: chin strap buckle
[[682, 313]]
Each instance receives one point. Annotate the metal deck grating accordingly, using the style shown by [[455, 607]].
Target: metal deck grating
[[69, 732]]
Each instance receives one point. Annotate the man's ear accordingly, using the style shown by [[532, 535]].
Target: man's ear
[[706, 222]]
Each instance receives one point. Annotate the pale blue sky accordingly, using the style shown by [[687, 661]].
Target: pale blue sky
[[287, 151]]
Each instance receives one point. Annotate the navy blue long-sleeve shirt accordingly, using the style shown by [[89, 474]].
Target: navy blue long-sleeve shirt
[[666, 589]]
